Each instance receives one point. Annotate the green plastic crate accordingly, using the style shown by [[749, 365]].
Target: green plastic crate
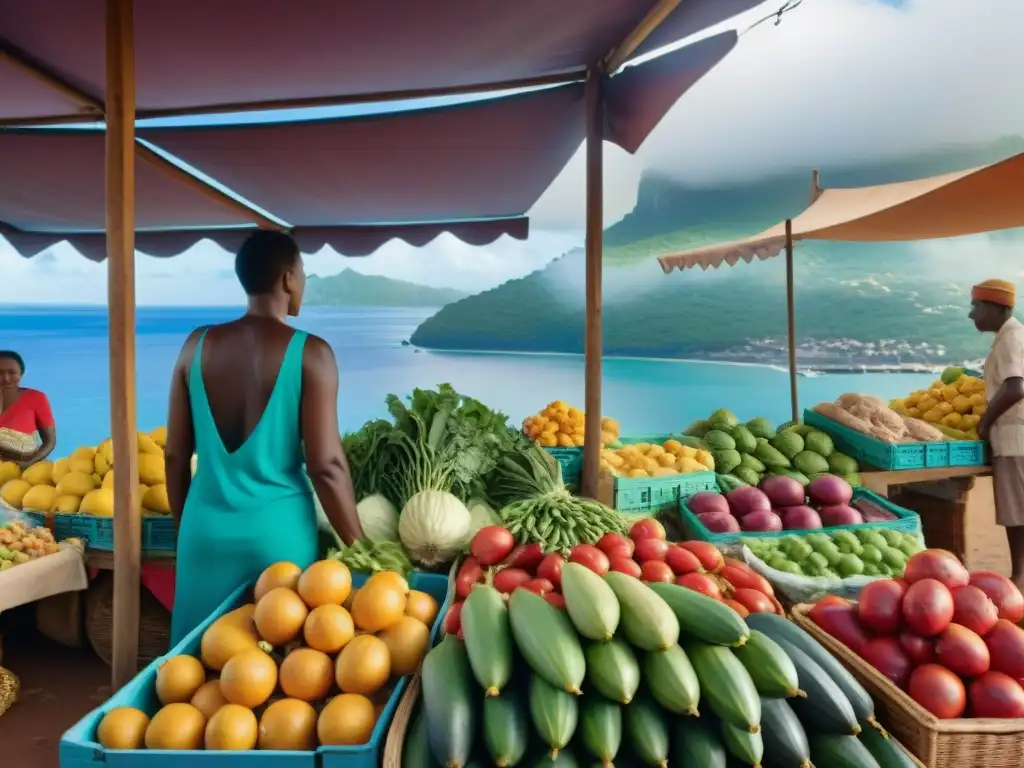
[[645, 496], [897, 456], [571, 462], [906, 521]]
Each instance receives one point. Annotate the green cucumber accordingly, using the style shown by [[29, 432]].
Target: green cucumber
[[416, 749], [887, 753], [547, 640], [506, 728], [554, 713], [590, 602], [564, 759], [770, 668], [449, 702], [726, 685], [779, 628], [784, 737], [701, 617], [601, 726], [671, 679], [696, 743], [488, 641], [825, 708], [647, 732], [743, 745], [613, 670], [647, 621], [829, 750]]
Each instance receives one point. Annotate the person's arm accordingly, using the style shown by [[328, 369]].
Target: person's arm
[[46, 428], [1009, 394], [181, 440], [325, 460]]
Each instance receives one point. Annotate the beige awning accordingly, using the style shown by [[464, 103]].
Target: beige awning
[[967, 202]]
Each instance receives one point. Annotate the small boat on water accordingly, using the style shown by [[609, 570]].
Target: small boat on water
[[809, 373]]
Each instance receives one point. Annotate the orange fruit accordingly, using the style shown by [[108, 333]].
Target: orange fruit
[[176, 726], [178, 679], [363, 666], [380, 602], [347, 720], [279, 616], [306, 674], [249, 678], [277, 575], [407, 643], [208, 699], [328, 628], [326, 582], [123, 728], [288, 725], [233, 727], [421, 606]]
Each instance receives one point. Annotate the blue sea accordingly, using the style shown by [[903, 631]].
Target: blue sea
[[66, 354]]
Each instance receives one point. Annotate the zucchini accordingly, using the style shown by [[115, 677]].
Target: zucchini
[[416, 749], [601, 725], [701, 617], [647, 731], [887, 753], [613, 670], [554, 713], [647, 621], [696, 743], [488, 641], [825, 708], [743, 745], [506, 729], [672, 681], [770, 668], [449, 702], [547, 640], [829, 750], [726, 685], [564, 759], [784, 738], [779, 628], [590, 602]]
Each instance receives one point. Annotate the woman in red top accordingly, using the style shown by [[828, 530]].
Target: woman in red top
[[23, 413]]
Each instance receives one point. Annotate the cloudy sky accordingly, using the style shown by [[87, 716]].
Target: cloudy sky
[[837, 80]]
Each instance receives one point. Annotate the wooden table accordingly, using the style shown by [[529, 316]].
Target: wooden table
[[105, 560]]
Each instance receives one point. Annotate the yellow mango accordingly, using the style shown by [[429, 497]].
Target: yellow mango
[[75, 484], [577, 440], [563, 440], [912, 400], [9, 471], [155, 499], [666, 459], [927, 403], [969, 421], [689, 452], [60, 468], [690, 465], [962, 404], [547, 439], [159, 436], [932, 416], [40, 473], [664, 472], [651, 465], [950, 393], [944, 408], [705, 458], [914, 412], [66, 505], [99, 502], [637, 473], [952, 420], [977, 399]]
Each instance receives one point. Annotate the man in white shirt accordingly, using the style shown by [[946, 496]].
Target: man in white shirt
[[1002, 424]]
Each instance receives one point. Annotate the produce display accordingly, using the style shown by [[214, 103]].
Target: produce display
[[953, 404], [618, 671], [947, 637], [839, 555], [20, 543], [656, 460], [562, 426], [373, 556], [744, 454], [311, 661], [83, 483]]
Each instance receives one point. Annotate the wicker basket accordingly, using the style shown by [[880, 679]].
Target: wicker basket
[[154, 622], [9, 686], [62, 618], [400, 724], [960, 743]]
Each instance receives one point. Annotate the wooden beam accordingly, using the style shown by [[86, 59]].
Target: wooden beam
[[594, 104], [120, 139], [620, 54], [45, 120], [91, 106], [794, 399]]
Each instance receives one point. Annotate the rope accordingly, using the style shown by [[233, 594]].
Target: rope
[[788, 6]]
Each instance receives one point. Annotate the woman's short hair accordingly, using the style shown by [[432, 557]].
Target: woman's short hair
[[263, 258], [7, 354]]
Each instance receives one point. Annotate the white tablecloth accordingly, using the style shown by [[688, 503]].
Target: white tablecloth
[[50, 575]]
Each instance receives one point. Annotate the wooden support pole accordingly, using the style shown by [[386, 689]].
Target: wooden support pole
[[594, 247], [791, 322], [120, 138]]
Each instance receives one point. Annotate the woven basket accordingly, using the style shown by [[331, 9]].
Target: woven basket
[[395, 742], [62, 618], [18, 442], [154, 622], [9, 686], [960, 743]]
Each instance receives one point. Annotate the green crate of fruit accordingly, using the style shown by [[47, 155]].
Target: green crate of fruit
[[643, 496]]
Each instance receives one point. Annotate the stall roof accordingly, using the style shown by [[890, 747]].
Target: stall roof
[[218, 56], [968, 202]]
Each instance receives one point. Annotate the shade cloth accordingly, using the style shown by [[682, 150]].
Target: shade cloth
[[54, 574], [983, 199]]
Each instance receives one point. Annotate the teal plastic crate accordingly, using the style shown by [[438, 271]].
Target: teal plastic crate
[[906, 522], [897, 456], [79, 749], [158, 534], [571, 462], [645, 496]]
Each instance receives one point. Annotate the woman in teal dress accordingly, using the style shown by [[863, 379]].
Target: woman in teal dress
[[257, 401]]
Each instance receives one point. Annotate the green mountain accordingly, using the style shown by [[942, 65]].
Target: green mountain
[[856, 303], [349, 288]]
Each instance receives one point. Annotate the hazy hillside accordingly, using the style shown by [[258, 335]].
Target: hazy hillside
[[856, 303], [353, 289]]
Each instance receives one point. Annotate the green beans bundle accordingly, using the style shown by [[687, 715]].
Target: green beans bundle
[[374, 556], [557, 520]]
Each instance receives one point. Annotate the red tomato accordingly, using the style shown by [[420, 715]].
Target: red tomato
[[682, 560], [550, 568], [614, 543], [655, 570], [740, 608], [507, 579], [648, 528], [526, 556], [590, 557], [753, 601], [700, 582], [556, 600], [492, 544], [470, 573], [625, 565], [453, 619], [650, 549], [540, 586]]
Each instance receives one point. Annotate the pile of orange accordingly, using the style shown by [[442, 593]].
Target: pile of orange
[[311, 661], [560, 425]]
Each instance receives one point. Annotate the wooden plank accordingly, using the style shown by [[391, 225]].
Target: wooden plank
[[105, 561], [120, 140]]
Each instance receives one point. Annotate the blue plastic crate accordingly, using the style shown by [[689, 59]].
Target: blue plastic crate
[[38, 518], [571, 461], [158, 534], [897, 456], [79, 749], [906, 522], [646, 496]]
